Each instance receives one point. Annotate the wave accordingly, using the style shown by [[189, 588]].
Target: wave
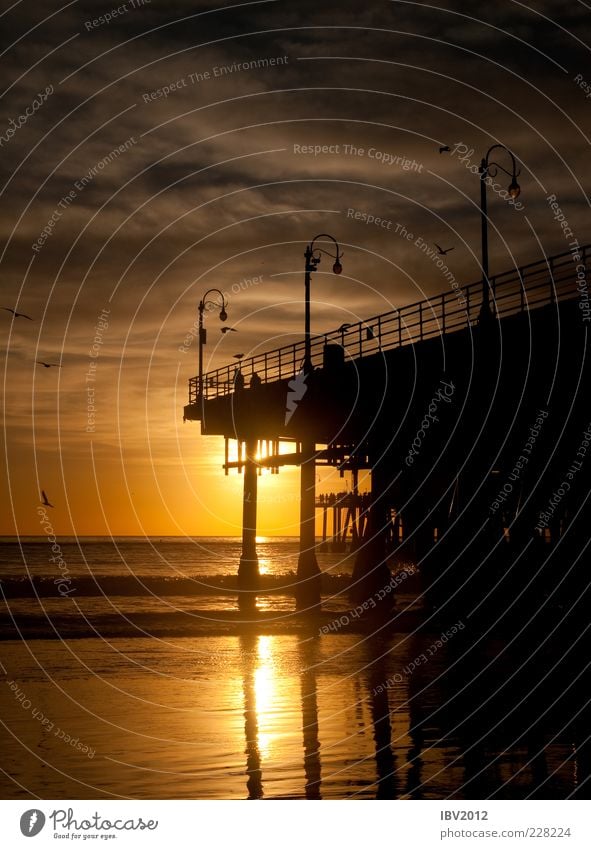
[[138, 585]]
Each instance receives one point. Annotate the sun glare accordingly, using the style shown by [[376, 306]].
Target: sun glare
[[264, 685]]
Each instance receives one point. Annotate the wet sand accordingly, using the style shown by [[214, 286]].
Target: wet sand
[[269, 716]]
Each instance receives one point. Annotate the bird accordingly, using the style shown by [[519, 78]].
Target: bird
[[47, 365], [46, 501], [343, 328], [238, 356], [444, 148], [228, 330], [369, 333], [16, 314], [440, 250]]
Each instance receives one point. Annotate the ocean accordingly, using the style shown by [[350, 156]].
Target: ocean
[[130, 671]]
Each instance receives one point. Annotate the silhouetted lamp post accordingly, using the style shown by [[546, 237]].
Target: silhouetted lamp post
[[308, 592], [514, 189], [313, 257], [203, 305]]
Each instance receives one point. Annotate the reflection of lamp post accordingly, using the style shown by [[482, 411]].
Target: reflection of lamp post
[[312, 255], [203, 304], [514, 190]]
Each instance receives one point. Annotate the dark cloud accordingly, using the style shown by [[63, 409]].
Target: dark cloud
[[210, 189]]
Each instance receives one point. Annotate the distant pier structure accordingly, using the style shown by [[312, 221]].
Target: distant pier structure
[[472, 432]]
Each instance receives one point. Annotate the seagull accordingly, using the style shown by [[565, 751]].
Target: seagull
[[238, 356], [444, 149], [47, 365], [343, 328], [16, 314], [46, 501], [369, 333], [228, 330], [440, 250]]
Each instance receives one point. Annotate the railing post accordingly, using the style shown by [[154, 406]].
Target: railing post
[[399, 330], [420, 320], [443, 312], [468, 305]]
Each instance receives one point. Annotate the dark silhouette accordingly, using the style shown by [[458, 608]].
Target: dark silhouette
[[489, 532], [254, 782], [17, 314], [377, 650], [444, 149], [47, 365], [309, 655], [441, 251], [45, 500], [238, 380]]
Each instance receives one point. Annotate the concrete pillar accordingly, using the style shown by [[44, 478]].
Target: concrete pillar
[[248, 571], [308, 588]]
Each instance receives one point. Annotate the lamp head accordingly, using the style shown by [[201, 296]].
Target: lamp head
[[337, 267], [514, 189], [223, 314]]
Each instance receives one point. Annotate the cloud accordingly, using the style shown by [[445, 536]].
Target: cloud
[[212, 190]]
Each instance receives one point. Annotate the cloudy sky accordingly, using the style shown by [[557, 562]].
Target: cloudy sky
[[143, 163]]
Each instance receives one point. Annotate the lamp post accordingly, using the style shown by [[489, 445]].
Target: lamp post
[[490, 169], [203, 305], [312, 255], [308, 593]]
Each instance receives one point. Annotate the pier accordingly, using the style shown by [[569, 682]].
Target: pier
[[467, 427]]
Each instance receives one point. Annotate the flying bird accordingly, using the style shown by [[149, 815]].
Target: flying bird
[[228, 329], [47, 365], [46, 501], [440, 250], [16, 314], [444, 149]]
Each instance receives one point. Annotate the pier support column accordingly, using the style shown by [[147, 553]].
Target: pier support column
[[371, 573], [248, 571], [308, 588]]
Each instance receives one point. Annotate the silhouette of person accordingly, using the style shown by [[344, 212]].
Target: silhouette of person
[[238, 380], [255, 380]]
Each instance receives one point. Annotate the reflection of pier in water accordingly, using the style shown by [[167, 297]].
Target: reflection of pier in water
[[464, 728]]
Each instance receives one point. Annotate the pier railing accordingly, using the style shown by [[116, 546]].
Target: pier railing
[[518, 290]]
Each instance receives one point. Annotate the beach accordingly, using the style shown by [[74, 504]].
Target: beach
[[207, 702]]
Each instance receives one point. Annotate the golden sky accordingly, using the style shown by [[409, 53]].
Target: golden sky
[[172, 155]]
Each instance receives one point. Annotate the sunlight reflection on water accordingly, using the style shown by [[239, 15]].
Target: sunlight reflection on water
[[260, 716]]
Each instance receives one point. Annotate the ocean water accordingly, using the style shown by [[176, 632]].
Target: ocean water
[[166, 580], [150, 681]]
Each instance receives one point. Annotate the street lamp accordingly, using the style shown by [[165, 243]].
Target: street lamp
[[514, 189], [203, 305], [313, 257]]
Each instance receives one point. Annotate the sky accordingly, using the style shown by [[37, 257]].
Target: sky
[[152, 150]]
